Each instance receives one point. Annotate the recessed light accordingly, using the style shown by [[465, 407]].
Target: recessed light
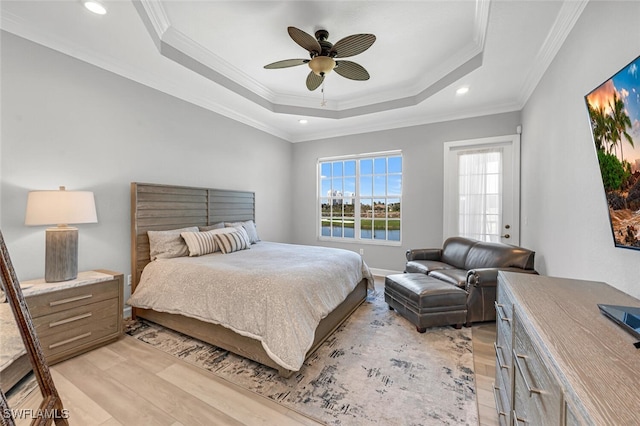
[[462, 90], [303, 121], [95, 7]]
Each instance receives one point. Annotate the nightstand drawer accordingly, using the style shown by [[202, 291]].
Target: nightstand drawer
[[48, 303], [76, 337], [77, 317]]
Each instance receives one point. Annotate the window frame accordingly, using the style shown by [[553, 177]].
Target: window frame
[[357, 198]]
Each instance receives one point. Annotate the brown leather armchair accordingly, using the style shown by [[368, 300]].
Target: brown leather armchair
[[472, 265]]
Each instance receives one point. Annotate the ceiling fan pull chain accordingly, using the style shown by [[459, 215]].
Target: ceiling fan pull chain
[[324, 102]]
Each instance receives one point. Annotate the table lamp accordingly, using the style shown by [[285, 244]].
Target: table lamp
[[60, 208]]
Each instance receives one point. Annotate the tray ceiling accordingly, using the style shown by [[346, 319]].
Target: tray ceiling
[[212, 53]]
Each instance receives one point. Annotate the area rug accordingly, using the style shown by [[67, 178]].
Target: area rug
[[375, 369]]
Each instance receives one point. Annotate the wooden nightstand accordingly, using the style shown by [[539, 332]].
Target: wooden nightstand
[[72, 317]]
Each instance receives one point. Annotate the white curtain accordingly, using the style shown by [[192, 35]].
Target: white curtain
[[480, 194]]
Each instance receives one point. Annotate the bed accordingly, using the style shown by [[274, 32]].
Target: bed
[[14, 361], [167, 207]]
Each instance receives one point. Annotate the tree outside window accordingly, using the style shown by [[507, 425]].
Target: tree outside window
[[360, 198]]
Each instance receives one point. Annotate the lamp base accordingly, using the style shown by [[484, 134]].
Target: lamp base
[[61, 254]]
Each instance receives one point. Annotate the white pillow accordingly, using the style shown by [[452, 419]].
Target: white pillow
[[218, 225], [168, 244], [232, 241], [248, 226]]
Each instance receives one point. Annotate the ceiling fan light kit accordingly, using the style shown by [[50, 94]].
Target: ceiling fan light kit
[[322, 65], [322, 54]]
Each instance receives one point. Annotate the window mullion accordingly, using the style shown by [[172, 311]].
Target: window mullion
[[356, 210]]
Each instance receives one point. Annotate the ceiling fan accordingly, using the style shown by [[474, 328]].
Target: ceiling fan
[[322, 54]]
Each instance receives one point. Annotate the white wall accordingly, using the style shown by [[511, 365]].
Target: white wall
[[65, 122], [562, 196], [423, 180]]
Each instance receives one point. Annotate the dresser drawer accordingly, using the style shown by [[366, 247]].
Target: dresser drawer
[[503, 367], [504, 361], [504, 311], [504, 338], [538, 398], [65, 299], [77, 337], [504, 318], [502, 400], [80, 316]]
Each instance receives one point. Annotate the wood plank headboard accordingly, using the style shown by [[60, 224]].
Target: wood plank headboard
[[162, 207]]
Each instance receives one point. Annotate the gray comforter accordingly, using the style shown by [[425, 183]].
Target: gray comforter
[[275, 293]]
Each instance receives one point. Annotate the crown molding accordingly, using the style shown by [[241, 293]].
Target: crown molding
[[390, 124], [180, 48], [159, 27], [569, 13], [449, 71], [154, 17], [481, 22]]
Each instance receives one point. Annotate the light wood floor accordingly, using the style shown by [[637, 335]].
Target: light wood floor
[[484, 360], [129, 383]]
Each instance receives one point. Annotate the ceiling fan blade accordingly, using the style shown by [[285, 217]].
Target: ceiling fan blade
[[305, 40], [351, 70], [286, 63], [313, 81], [352, 45]]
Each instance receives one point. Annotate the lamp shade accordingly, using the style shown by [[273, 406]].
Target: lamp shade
[[60, 207]]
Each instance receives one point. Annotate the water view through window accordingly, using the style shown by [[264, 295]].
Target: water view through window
[[360, 198]]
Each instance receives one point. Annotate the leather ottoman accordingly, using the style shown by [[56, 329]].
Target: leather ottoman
[[426, 301]]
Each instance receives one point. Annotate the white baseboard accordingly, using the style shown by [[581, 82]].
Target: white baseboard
[[127, 312], [383, 272]]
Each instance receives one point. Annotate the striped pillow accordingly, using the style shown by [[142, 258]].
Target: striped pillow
[[232, 241], [200, 243]]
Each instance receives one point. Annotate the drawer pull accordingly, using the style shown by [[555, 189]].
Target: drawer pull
[[500, 307], [73, 339], [497, 401], [71, 299], [517, 420], [499, 356], [531, 390], [68, 320]]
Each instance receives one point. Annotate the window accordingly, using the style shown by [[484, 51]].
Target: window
[[480, 193], [360, 197]]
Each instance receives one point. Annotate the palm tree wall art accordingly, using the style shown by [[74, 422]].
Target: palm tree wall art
[[614, 114]]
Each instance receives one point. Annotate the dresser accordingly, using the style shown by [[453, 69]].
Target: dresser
[[75, 316], [559, 361]]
